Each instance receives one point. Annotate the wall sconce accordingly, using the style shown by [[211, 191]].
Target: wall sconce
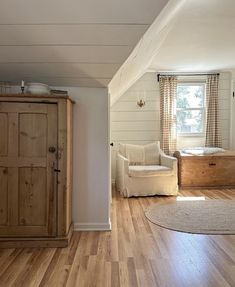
[[141, 103], [141, 98]]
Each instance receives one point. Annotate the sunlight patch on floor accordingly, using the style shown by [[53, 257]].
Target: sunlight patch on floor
[[190, 198]]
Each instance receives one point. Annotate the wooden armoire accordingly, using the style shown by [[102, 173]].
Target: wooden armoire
[[35, 170]]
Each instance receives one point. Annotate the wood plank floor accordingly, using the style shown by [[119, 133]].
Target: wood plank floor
[[136, 253]]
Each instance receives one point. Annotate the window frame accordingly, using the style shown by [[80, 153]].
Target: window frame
[[203, 109]]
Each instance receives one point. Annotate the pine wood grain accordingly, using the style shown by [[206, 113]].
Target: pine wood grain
[[135, 253], [4, 131], [206, 171], [35, 183], [27, 169], [41, 98]]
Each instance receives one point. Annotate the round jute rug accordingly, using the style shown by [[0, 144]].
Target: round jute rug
[[203, 217]]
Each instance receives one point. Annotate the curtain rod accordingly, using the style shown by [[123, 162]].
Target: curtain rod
[[189, 74]]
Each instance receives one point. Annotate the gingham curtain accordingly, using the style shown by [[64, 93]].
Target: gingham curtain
[[213, 138], [168, 90]]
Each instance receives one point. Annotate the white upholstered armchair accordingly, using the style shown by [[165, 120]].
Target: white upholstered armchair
[[145, 170]]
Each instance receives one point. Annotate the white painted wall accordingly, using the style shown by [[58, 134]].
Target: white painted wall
[[131, 124], [232, 134], [232, 105], [91, 184]]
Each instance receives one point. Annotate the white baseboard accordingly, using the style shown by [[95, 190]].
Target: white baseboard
[[90, 226]]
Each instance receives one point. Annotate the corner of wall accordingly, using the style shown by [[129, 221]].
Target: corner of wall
[[93, 226]]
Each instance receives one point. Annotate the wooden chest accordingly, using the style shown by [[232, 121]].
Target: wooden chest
[[206, 171]]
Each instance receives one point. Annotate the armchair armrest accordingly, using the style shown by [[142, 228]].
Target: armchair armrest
[[122, 169], [168, 161], [122, 163]]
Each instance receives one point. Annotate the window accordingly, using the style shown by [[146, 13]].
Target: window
[[190, 107]]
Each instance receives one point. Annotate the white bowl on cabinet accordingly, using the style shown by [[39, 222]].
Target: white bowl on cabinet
[[38, 88]]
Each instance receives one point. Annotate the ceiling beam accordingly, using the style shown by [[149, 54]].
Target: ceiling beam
[[141, 57]]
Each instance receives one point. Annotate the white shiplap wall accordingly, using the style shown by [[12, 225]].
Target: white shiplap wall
[[131, 124], [225, 101]]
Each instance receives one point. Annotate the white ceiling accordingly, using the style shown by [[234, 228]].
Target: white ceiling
[[202, 38], [72, 42], [187, 36]]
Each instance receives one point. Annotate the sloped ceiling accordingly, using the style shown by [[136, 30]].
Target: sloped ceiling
[[145, 51], [72, 42], [202, 38], [198, 37]]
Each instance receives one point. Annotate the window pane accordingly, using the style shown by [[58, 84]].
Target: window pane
[[190, 96], [190, 121]]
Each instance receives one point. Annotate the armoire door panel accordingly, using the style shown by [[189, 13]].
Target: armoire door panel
[[3, 196], [9, 107], [32, 135], [4, 132], [52, 164], [29, 189], [13, 194], [13, 136], [32, 196], [13, 161]]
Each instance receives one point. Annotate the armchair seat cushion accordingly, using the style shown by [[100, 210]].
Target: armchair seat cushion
[[149, 170]]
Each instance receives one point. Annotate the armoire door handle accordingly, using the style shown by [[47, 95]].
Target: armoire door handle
[[52, 149]]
